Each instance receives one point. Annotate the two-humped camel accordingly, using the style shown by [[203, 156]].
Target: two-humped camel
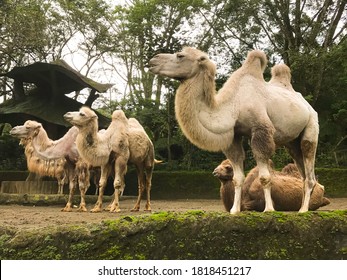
[[64, 151], [246, 105], [123, 141], [40, 167], [286, 190]]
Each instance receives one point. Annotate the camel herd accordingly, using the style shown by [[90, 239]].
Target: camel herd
[[271, 114]]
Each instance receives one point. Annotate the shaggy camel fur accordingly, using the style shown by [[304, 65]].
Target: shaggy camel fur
[[136, 148], [103, 149], [64, 150], [35, 164], [245, 106], [286, 189]]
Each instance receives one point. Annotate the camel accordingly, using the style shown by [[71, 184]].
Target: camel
[[136, 146], [67, 152], [37, 165], [286, 190], [103, 149], [271, 116]]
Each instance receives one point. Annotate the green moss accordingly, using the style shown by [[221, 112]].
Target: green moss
[[190, 235]]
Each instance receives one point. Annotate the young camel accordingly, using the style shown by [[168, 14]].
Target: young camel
[[133, 137], [286, 189], [64, 149], [245, 106]]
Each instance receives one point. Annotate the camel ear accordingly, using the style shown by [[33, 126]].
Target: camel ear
[[202, 58]]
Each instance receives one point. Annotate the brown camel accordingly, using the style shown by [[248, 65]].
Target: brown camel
[[63, 149], [248, 106], [131, 136], [286, 190]]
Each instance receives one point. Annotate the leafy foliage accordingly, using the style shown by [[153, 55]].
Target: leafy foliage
[[116, 42]]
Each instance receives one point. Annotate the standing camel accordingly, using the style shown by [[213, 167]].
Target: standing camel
[[64, 150], [35, 164], [246, 105], [137, 149], [105, 149]]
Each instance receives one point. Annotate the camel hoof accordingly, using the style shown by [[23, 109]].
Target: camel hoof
[[116, 210], [96, 210], [302, 210], [135, 210], [66, 209], [82, 209], [234, 211], [269, 210]]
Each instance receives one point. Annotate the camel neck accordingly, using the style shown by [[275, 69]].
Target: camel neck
[[41, 142], [201, 117]]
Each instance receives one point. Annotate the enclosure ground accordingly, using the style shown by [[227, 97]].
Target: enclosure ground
[[26, 217]]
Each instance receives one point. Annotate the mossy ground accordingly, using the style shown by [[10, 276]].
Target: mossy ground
[[189, 235]]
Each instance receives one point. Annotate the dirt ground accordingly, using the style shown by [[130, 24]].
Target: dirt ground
[[26, 217]]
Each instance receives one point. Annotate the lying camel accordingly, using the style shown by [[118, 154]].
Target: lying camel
[[286, 191], [64, 150]]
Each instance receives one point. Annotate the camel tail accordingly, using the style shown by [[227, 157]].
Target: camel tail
[[156, 161], [255, 63]]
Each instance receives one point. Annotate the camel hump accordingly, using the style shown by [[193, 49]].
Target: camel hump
[[281, 76], [119, 115], [255, 63], [281, 71]]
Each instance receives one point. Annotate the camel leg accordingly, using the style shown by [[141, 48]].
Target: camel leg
[[105, 171], [60, 186], [83, 182], [72, 185], [118, 184], [141, 186], [263, 147], [148, 181], [308, 145], [236, 155]]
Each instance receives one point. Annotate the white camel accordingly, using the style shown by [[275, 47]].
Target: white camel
[[64, 149], [124, 141], [245, 106], [103, 149]]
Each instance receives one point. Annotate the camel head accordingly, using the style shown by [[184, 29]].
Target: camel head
[[82, 118], [182, 65], [224, 171], [26, 131]]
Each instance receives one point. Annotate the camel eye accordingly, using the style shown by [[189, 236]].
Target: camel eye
[[82, 114], [179, 56], [229, 168]]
